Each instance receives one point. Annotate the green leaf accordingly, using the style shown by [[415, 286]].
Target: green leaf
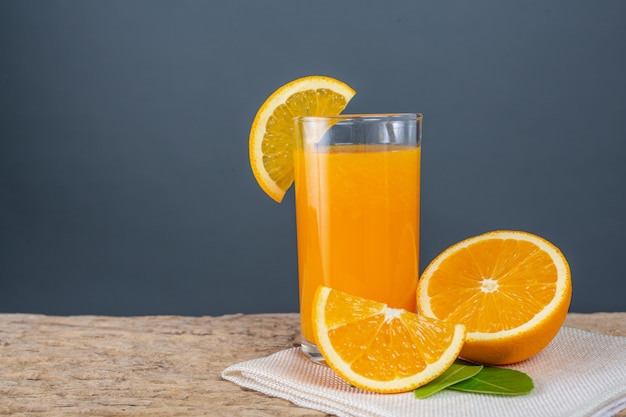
[[458, 371], [492, 380]]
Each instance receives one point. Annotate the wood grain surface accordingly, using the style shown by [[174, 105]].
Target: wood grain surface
[[155, 365]]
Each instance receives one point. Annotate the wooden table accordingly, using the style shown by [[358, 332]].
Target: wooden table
[[157, 365]]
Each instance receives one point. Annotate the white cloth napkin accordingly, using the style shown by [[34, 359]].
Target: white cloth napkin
[[580, 374]]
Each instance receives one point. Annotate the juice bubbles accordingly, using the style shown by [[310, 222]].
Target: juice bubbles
[[357, 208]]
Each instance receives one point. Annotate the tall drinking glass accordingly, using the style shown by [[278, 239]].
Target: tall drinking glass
[[357, 183]]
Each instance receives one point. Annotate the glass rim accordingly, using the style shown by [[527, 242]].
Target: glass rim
[[364, 116]]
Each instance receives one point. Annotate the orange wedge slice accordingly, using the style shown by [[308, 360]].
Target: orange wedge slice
[[378, 348], [510, 289], [272, 137]]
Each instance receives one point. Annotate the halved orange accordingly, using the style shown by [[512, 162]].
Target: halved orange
[[378, 348], [272, 137], [510, 289]]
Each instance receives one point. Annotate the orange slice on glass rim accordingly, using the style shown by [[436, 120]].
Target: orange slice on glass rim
[[272, 136]]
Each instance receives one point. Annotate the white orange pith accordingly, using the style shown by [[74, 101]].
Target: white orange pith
[[381, 349], [272, 137], [510, 289]]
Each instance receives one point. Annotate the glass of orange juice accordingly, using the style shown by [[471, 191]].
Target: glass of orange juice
[[357, 184]]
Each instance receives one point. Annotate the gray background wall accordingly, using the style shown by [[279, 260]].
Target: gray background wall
[[125, 186]]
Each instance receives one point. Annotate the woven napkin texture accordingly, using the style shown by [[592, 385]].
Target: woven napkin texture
[[579, 374]]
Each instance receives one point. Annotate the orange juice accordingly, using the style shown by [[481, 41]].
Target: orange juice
[[357, 209]]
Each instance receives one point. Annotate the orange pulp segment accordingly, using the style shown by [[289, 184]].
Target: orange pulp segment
[[378, 348]]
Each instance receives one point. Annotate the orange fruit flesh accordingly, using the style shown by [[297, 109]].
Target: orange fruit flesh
[[379, 348], [510, 289], [278, 142], [493, 282]]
